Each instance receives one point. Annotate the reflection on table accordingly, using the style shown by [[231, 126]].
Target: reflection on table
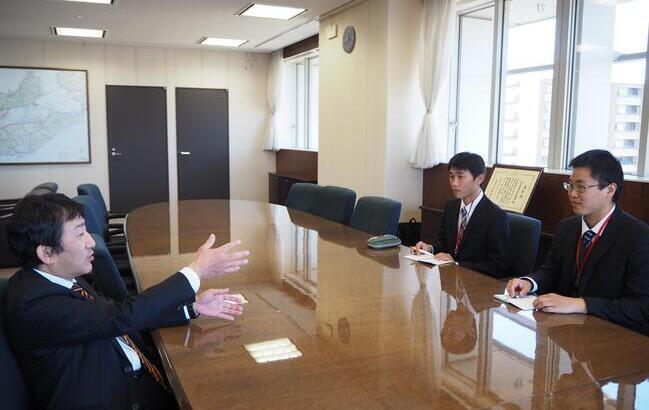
[[373, 329]]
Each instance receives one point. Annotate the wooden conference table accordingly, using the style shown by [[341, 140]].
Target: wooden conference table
[[374, 330]]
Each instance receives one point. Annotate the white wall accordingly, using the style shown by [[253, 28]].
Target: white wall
[[243, 74], [370, 104]]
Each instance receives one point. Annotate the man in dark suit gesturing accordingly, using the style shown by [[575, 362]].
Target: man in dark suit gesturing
[[78, 349], [599, 259], [474, 231]]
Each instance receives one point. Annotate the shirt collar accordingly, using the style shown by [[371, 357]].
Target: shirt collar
[[473, 204], [56, 279], [598, 225]]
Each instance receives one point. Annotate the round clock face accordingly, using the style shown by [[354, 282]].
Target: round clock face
[[349, 39]]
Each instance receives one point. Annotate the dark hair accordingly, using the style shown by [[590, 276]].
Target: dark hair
[[457, 320], [604, 167], [38, 220], [468, 161]]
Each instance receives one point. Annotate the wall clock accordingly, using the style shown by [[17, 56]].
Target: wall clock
[[349, 39]]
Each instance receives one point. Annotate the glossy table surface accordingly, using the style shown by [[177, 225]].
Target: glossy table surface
[[375, 330]]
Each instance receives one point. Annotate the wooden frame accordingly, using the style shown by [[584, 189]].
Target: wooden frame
[[84, 157], [511, 187]]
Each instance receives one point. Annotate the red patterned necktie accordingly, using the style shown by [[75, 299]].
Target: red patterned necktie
[[145, 362]]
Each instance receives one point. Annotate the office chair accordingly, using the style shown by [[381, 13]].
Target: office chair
[[524, 234], [51, 186], [335, 203], [7, 258], [92, 190], [302, 196], [13, 389], [106, 276], [376, 215]]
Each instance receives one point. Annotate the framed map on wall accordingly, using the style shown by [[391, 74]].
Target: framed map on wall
[[43, 116]]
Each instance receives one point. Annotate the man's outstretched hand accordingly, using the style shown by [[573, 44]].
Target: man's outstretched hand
[[218, 303], [214, 262]]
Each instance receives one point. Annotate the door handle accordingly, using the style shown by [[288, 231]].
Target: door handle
[[184, 152], [116, 154]]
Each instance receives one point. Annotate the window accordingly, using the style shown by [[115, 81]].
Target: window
[[514, 104], [528, 68], [304, 102], [608, 77], [474, 81]]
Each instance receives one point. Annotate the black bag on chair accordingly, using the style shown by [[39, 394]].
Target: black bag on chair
[[409, 232]]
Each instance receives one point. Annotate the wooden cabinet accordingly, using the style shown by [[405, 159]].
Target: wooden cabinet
[[280, 184]]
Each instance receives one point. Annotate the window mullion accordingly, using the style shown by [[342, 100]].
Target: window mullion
[[643, 161], [499, 47], [561, 85]]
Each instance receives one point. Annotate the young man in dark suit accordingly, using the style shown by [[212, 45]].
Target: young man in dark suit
[[599, 260], [474, 231], [77, 349]]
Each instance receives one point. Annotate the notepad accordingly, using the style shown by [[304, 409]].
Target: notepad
[[523, 303], [427, 259]]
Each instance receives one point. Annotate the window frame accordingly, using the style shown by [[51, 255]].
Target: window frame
[[310, 141], [561, 131]]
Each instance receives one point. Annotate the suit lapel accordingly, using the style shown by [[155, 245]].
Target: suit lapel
[[603, 244], [455, 212]]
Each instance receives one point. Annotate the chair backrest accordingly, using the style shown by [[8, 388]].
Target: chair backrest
[[302, 196], [105, 273], [376, 215], [13, 389], [335, 203], [51, 186], [92, 190], [39, 191], [7, 258], [524, 234], [94, 224]]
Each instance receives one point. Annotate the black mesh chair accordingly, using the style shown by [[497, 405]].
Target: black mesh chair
[[13, 389], [302, 196], [335, 203], [106, 276], [524, 234], [7, 258], [376, 215]]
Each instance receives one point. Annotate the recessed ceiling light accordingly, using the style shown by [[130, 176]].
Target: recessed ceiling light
[[271, 12], [92, 1], [225, 42], [79, 32]]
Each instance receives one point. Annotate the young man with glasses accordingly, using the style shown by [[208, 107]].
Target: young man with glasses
[[474, 231], [599, 260]]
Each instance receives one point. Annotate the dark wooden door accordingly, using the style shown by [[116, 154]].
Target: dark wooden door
[[137, 146], [202, 143]]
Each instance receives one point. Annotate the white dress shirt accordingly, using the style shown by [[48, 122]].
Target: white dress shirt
[[469, 207], [131, 355], [599, 226]]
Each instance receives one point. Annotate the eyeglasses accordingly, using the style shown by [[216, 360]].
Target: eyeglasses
[[568, 186]]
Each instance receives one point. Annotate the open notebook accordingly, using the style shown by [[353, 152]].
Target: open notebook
[[427, 259], [523, 303]]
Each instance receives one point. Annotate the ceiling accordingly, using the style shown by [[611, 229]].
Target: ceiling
[[169, 23]]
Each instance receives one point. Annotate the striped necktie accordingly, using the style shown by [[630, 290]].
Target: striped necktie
[[464, 220], [587, 239], [145, 361]]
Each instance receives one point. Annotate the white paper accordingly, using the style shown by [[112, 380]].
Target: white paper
[[523, 303], [427, 259]]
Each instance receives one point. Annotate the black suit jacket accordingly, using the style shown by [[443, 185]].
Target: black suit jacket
[[615, 279], [485, 242], [65, 344]]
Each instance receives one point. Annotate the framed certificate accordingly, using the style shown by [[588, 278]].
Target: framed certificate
[[511, 187]]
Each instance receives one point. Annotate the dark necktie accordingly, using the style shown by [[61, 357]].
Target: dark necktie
[[464, 220], [587, 239], [145, 362]]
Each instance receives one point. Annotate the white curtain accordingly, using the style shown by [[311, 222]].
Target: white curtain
[[435, 44], [274, 96]]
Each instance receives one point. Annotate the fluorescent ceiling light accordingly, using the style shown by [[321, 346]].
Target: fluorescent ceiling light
[[272, 350], [92, 1], [271, 12], [226, 42], [79, 32]]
